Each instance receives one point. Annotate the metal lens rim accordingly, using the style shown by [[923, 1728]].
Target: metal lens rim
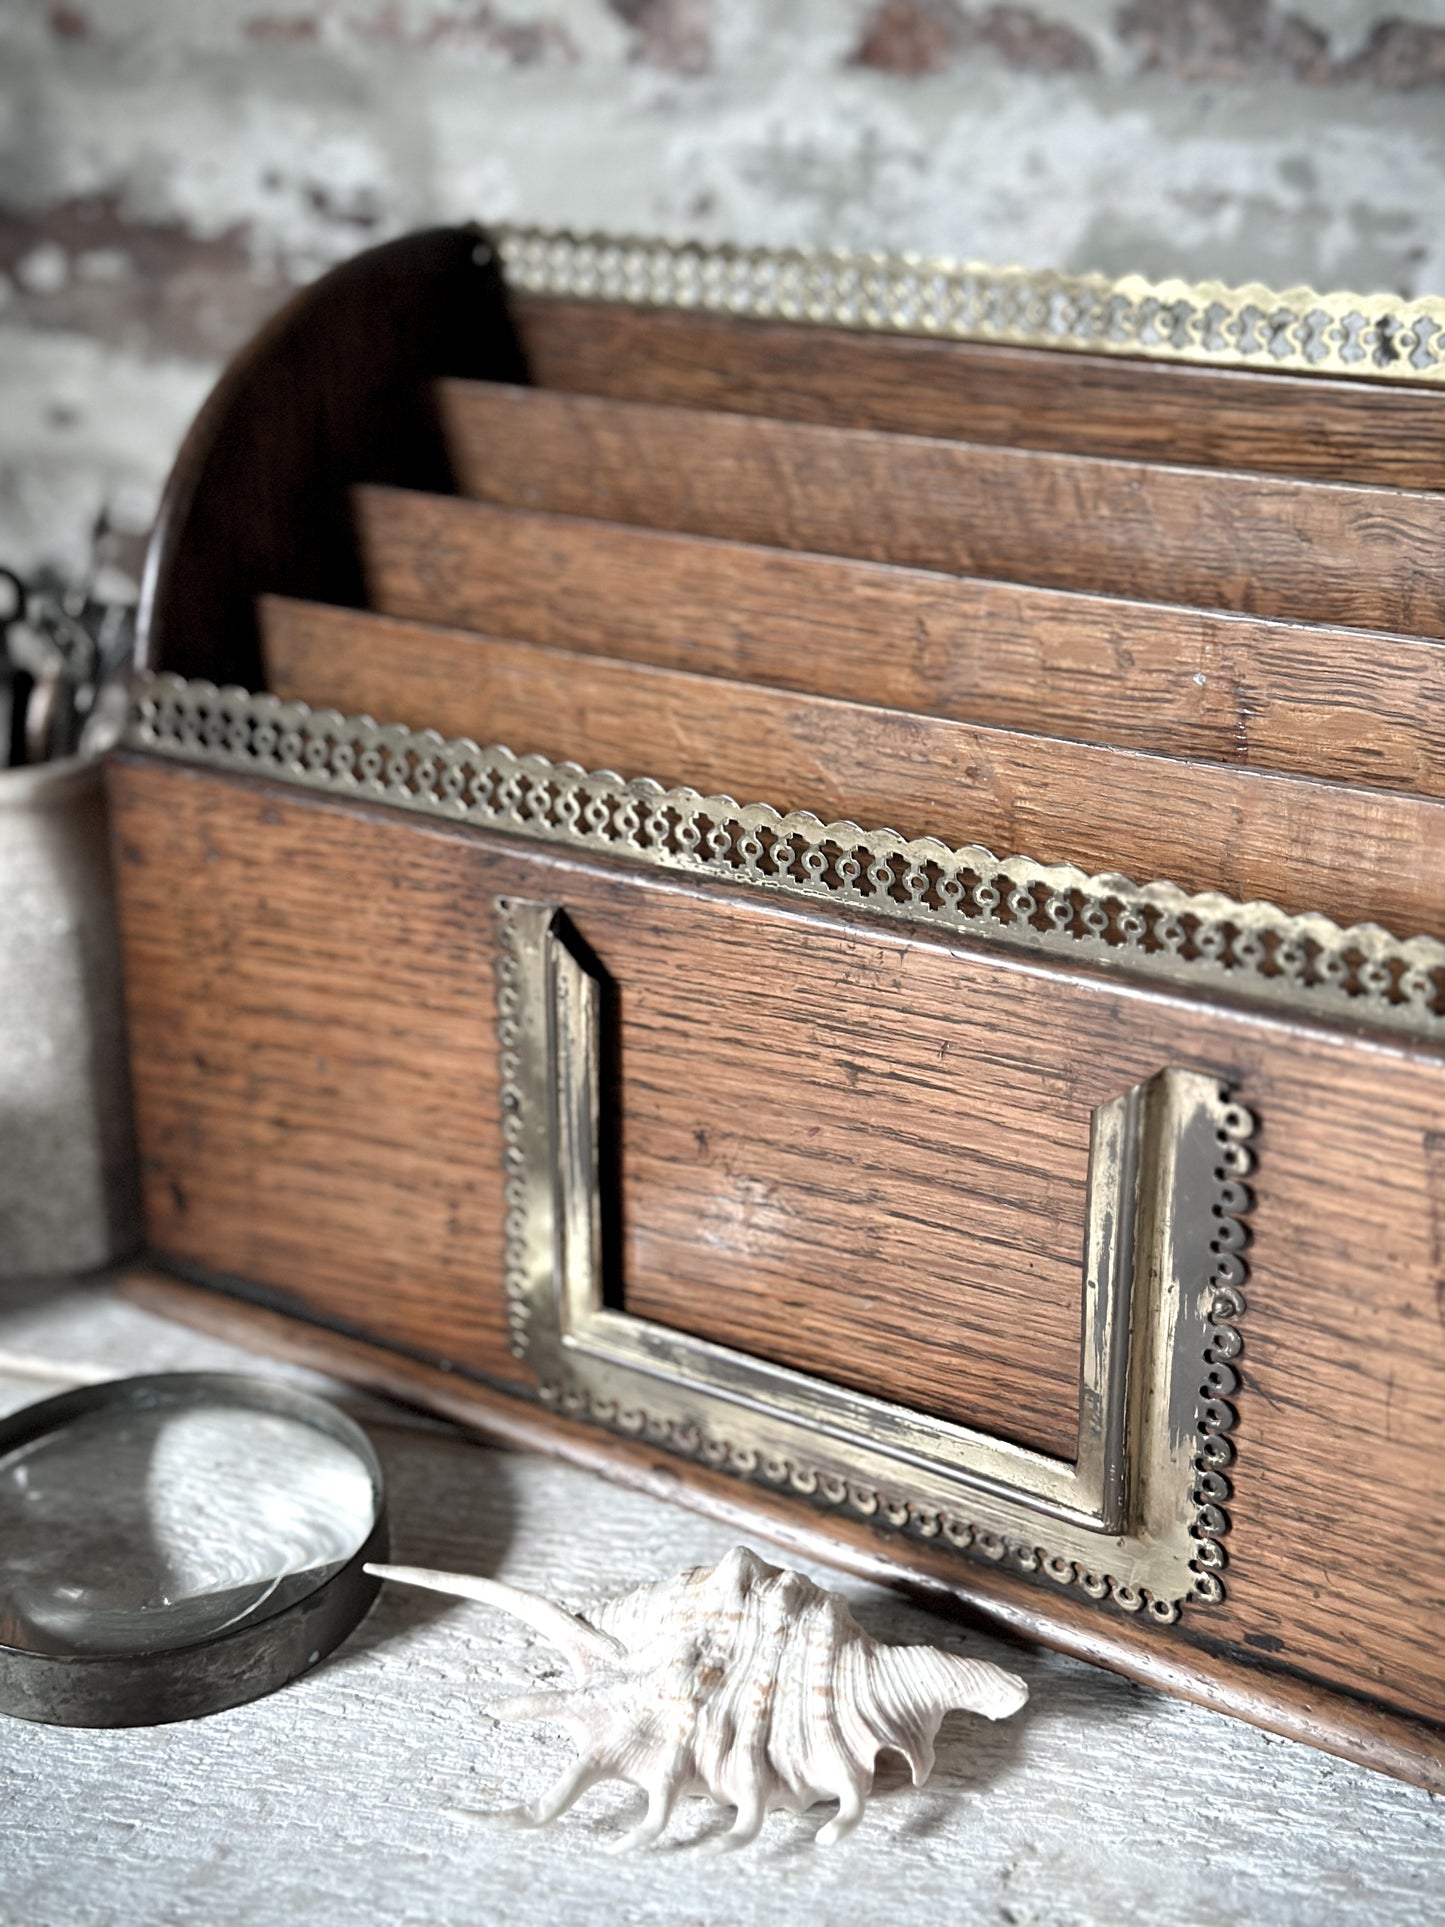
[[230, 1667]]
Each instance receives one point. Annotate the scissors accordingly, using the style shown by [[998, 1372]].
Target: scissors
[[69, 644], [15, 683]]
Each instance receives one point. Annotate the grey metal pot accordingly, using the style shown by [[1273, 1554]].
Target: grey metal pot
[[68, 1194]]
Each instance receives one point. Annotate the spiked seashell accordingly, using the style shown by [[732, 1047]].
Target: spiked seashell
[[741, 1682]]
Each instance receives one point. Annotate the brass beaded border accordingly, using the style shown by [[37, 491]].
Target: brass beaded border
[[1307, 964], [1377, 337]]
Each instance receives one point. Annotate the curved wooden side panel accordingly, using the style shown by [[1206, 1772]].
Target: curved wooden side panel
[[334, 390]]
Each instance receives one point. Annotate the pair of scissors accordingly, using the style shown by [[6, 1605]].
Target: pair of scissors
[[58, 647]]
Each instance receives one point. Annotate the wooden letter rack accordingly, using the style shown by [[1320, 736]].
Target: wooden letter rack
[[929, 1038]]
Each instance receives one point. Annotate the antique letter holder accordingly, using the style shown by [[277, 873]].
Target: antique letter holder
[[817, 881]]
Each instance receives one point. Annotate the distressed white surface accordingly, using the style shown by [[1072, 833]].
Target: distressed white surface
[[375, 124], [363, 1793], [82, 426]]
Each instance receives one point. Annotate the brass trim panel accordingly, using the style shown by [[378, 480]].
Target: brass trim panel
[[1156, 931], [1137, 1517], [1377, 337]]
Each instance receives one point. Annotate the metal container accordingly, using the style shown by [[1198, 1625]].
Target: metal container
[[68, 1193]]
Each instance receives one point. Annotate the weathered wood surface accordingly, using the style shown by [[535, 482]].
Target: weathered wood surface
[[266, 1148], [1360, 856], [363, 1791], [1344, 704], [1078, 404], [1317, 552]]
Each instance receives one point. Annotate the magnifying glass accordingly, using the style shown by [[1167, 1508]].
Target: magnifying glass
[[176, 1544]]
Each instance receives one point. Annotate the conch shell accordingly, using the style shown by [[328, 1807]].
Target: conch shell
[[740, 1682]]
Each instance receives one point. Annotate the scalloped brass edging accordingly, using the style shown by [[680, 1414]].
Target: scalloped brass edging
[[1155, 931], [1377, 337], [1137, 1516]]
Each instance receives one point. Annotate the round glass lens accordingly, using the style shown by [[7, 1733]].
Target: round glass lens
[[134, 1529]]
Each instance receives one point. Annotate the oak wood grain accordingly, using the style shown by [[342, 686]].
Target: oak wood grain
[[1305, 551], [1333, 430], [1354, 707], [258, 1095], [314, 1072], [829, 1202], [1357, 855]]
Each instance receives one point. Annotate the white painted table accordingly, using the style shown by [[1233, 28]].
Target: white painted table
[[365, 1792]]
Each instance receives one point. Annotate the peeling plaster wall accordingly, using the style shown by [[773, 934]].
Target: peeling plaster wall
[[168, 171]]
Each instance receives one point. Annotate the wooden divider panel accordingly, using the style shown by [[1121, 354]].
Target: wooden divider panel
[[853, 1148], [1078, 404], [313, 1007], [1350, 706], [1360, 856], [1306, 551]]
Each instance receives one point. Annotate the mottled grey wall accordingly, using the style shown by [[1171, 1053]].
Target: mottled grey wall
[[168, 170]]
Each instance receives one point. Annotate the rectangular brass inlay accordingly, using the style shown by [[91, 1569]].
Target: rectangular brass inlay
[[1137, 1516]]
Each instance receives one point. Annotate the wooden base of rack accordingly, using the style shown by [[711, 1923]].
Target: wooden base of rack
[[1293, 1707]]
